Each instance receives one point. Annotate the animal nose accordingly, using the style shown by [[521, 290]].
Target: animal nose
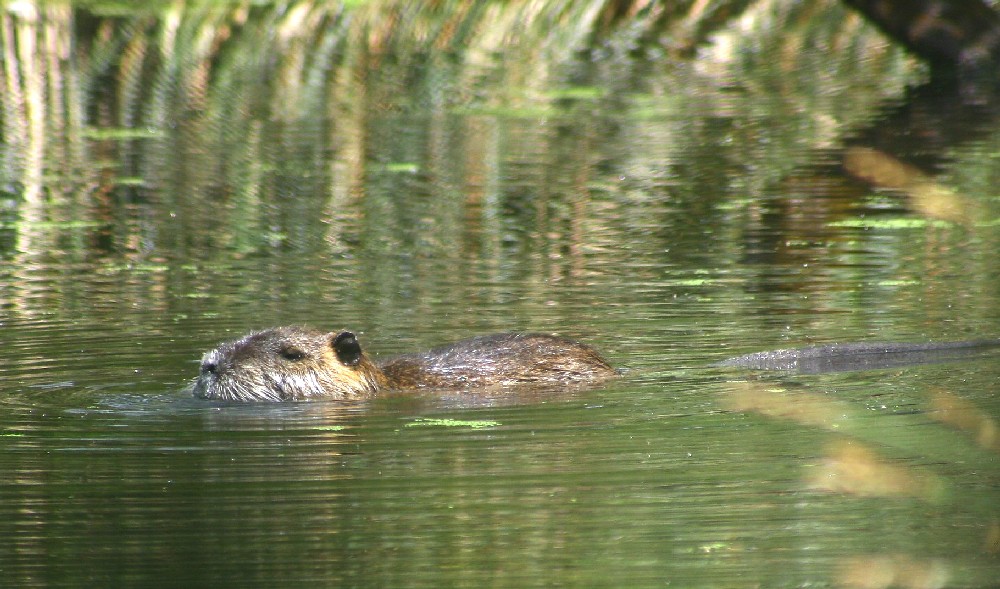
[[210, 363]]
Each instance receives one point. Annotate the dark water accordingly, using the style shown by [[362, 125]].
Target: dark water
[[670, 214]]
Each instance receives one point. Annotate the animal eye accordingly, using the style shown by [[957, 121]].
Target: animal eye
[[292, 354]]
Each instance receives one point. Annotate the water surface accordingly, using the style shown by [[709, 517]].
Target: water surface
[[671, 213]]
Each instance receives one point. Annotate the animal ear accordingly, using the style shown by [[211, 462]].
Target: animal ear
[[348, 350]]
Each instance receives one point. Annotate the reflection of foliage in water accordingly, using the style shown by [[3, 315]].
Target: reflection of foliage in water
[[513, 139], [868, 458], [241, 109]]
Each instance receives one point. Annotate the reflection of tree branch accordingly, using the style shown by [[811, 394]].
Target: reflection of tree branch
[[961, 42], [960, 413], [899, 151], [960, 39], [883, 154], [881, 571], [853, 465], [926, 196]]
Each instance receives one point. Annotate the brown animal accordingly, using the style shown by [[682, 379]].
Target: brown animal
[[296, 363]]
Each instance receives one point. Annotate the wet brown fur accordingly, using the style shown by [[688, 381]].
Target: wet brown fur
[[295, 363]]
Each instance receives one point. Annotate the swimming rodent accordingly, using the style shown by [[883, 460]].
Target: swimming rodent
[[859, 356], [297, 363]]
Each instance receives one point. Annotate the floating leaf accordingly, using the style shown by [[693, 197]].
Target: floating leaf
[[473, 423]]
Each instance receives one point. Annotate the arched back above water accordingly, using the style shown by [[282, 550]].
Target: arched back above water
[[176, 178]]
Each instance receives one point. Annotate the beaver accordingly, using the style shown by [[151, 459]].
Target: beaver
[[298, 363]]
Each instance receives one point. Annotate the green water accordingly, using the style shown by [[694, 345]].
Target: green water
[[669, 211]]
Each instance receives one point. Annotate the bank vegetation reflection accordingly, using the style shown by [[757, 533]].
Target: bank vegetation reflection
[[853, 464]]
